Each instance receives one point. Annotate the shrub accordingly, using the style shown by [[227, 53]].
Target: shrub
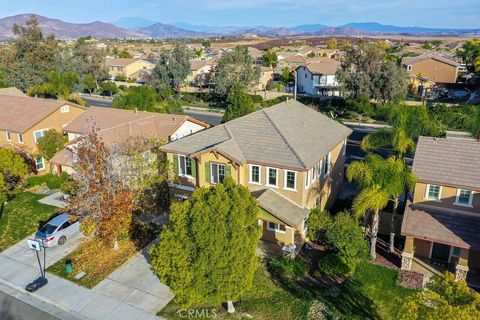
[[51, 180], [318, 222], [334, 265], [286, 267], [256, 98], [276, 86]]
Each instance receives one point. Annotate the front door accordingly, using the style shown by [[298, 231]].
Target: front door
[[440, 253]]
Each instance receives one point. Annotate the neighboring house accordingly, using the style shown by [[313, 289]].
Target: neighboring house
[[442, 224], [318, 78], [115, 126], [23, 120], [290, 156], [290, 61], [266, 75], [256, 55], [126, 67], [434, 67], [328, 53], [200, 73]]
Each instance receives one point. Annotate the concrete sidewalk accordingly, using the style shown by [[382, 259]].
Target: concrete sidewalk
[[131, 292]]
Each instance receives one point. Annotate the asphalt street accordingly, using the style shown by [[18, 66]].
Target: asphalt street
[[14, 309]]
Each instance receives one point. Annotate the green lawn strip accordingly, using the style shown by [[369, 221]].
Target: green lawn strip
[[22, 216], [372, 293]]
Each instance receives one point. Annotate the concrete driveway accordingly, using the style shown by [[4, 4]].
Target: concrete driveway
[[136, 284], [20, 251]]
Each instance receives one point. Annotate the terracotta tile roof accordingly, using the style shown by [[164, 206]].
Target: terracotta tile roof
[[449, 162], [437, 57], [440, 225], [288, 134], [18, 114], [117, 125], [325, 66]]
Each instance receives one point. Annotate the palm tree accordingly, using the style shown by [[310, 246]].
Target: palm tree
[[397, 138], [374, 199], [389, 177]]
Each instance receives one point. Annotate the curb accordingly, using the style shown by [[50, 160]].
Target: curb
[[37, 302]]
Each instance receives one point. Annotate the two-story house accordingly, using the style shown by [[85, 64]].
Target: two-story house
[[23, 120], [442, 223], [115, 126], [290, 156], [432, 67], [127, 67], [318, 78]]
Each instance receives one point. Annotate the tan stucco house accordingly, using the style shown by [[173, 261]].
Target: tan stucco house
[[127, 67], [442, 223], [115, 126], [290, 156], [25, 119], [432, 67]]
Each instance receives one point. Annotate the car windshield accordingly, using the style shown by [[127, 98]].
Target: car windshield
[[48, 228]]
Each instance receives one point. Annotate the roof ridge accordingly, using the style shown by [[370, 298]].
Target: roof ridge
[[284, 139]]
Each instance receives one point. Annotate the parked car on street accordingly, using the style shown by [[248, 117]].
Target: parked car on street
[[57, 231]]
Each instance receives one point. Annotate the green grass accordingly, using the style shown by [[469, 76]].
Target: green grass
[[51, 180], [22, 216], [372, 293]]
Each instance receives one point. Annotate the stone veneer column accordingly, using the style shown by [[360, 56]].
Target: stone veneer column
[[407, 254], [461, 269]]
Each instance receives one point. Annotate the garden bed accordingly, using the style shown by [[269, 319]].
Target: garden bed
[[98, 261]]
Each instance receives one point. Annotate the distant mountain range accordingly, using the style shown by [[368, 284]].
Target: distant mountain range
[[134, 27]]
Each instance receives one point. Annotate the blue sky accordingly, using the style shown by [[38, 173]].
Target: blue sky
[[426, 13]]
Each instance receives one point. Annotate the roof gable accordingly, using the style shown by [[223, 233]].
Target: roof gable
[[288, 134], [450, 162]]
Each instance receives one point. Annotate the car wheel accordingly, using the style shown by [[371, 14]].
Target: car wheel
[[62, 240]]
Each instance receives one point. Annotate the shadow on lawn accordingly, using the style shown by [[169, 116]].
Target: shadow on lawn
[[349, 301]]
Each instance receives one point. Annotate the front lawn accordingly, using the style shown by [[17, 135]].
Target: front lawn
[[22, 216], [372, 293]]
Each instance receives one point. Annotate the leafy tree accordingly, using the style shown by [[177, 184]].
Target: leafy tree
[[206, 255], [239, 103], [30, 57], [332, 43], [407, 124], [345, 235], [103, 201], [13, 170], [318, 223], [236, 67], [124, 54], [470, 52], [90, 84], [108, 88], [443, 298], [58, 85], [287, 76], [141, 98], [171, 69], [392, 175], [366, 72], [93, 64], [3, 81], [270, 59], [198, 53], [51, 143], [206, 44]]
